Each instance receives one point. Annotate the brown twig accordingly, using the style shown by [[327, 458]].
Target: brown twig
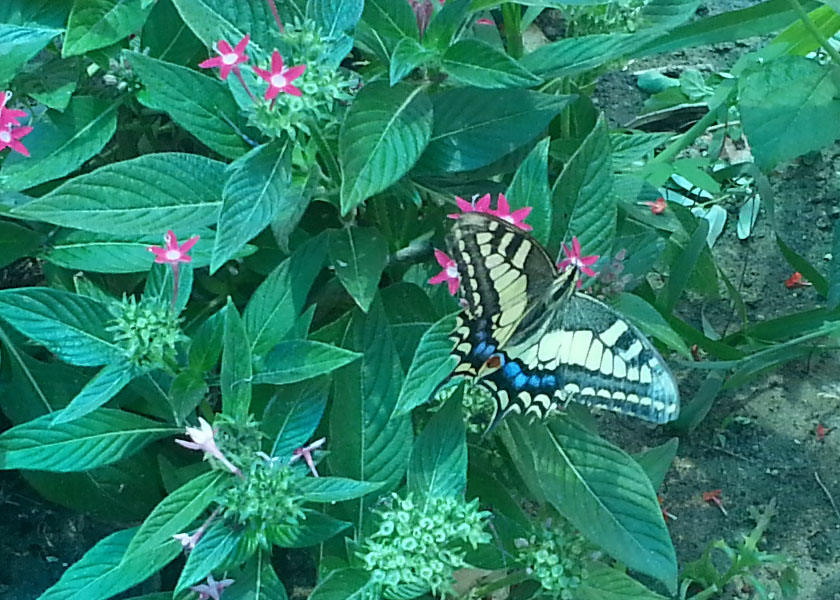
[[828, 494]]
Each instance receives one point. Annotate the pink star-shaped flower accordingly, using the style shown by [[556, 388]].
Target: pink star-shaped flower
[[516, 217], [229, 58], [305, 452], [9, 116], [212, 589], [204, 439], [10, 138], [575, 260], [172, 253], [449, 274], [657, 206], [280, 78], [482, 205]]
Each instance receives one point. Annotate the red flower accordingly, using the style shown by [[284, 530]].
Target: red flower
[[575, 260], [482, 205], [305, 452], [665, 514], [449, 274], [280, 78], [714, 498], [657, 207], [10, 138], [485, 22], [821, 431], [516, 217], [229, 58], [796, 280], [9, 116], [173, 254]]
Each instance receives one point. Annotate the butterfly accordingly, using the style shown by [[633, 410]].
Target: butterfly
[[527, 335]]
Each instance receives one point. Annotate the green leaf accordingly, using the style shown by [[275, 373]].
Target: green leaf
[[344, 584], [474, 128], [799, 263], [408, 55], [584, 205], [99, 390], [657, 460], [293, 416], [359, 256], [18, 45], [236, 371], [789, 106], [256, 581], [174, 515], [667, 13], [574, 55], [529, 187], [693, 412], [206, 345], [797, 39], [393, 21], [298, 360], [217, 543], [629, 148], [473, 62], [682, 268], [608, 583], [335, 16], [51, 13], [278, 301], [94, 24], [432, 364], [199, 103], [54, 83], [335, 489], [72, 327], [650, 321], [168, 38], [438, 465], [314, 529], [383, 135], [603, 492], [833, 271], [445, 23], [253, 196], [16, 242], [99, 438], [214, 20], [61, 143], [144, 195]]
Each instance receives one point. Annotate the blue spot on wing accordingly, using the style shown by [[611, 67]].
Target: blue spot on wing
[[512, 369], [520, 380]]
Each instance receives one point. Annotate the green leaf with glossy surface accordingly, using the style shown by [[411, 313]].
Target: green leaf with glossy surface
[[217, 543], [105, 385], [144, 195], [94, 24], [293, 415], [834, 271], [19, 44], [383, 135], [256, 581], [683, 267], [650, 321], [608, 583], [16, 242], [99, 438], [344, 584], [315, 528], [529, 187], [657, 461], [438, 465], [335, 16], [61, 143], [214, 20], [335, 489], [667, 13], [72, 327], [573, 55], [199, 103], [408, 55], [236, 371], [358, 255], [477, 63], [298, 360], [601, 490]]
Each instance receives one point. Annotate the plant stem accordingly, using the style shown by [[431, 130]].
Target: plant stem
[[276, 15], [512, 15], [813, 30]]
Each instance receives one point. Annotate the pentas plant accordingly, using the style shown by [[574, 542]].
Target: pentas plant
[[277, 387]]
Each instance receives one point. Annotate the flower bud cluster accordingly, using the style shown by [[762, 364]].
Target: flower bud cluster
[[146, 331], [420, 542], [612, 279], [478, 404], [554, 557]]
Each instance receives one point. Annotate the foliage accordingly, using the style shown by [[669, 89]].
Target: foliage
[[310, 164]]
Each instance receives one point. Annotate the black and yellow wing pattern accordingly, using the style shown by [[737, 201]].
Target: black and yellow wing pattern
[[529, 337]]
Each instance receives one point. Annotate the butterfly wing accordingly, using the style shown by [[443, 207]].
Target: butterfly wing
[[588, 353]]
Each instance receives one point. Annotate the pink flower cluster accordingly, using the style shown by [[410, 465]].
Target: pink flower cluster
[[11, 131]]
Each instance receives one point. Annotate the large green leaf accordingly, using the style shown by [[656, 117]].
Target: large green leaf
[[144, 195], [99, 438], [584, 205], [61, 143], [573, 55], [217, 543], [657, 461], [475, 127], [445, 23], [252, 197], [473, 62], [199, 103], [529, 187], [335, 16], [408, 55], [19, 44], [383, 135], [275, 305], [168, 38], [94, 24], [214, 20], [608, 583], [344, 584], [393, 21], [72, 327], [834, 271], [298, 360], [235, 379], [256, 581], [438, 465], [789, 106], [315, 528], [50, 13], [293, 415], [335, 489], [683, 267], [603, 492], [16, 242], [358, 255], [667, 13], [99, 390]]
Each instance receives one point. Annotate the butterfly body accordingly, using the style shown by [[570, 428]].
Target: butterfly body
[[532, 339]]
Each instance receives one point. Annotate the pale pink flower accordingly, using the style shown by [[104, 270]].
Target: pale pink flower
[[449, 274], [280, 78], [204, 439], [305, 452], [576, 261], [212, 589]]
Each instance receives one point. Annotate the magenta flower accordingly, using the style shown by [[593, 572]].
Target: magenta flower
[[204, 439], [173, 254], [575, 260], [10, 138], [516, 217], [229, 58], [482, 205], [212, 589], [280, 78], [9, 116], [485, 22], [305, 452], [449, 274]]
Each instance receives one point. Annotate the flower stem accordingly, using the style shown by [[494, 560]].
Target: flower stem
[[276, 15], [814, 31], [175, 281], [512, 15], [245, 85]]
